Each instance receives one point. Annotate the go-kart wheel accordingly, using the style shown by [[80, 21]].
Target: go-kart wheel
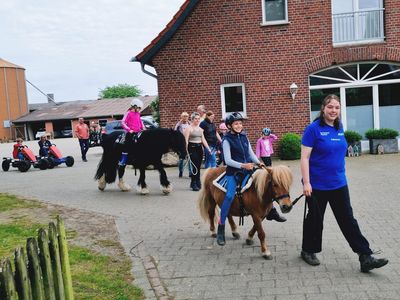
[[6, 165], [51, 162], [69, 161], [43, 163], [24, 166]]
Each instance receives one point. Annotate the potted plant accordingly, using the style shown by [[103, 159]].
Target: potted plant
[[382, 140], [353, 139]]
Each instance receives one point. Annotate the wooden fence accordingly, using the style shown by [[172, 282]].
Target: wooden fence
[[42, 272]]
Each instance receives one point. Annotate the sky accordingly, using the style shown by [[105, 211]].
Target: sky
[[75, 48]]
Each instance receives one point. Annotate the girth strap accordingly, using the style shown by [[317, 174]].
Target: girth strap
[[239, 176]]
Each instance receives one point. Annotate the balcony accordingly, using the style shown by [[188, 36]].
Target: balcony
[[358, 27]]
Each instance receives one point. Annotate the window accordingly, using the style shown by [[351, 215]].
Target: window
[[233, 98], [274, 12]]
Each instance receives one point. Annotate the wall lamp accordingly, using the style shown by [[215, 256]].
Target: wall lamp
[[293, 90]]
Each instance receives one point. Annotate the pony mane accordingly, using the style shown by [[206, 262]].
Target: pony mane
[[281, 176]]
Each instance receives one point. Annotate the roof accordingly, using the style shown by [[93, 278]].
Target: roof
[[6, 64], [82, 109], [146, 56]]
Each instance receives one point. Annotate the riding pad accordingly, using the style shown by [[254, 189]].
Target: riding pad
[[221, 182]]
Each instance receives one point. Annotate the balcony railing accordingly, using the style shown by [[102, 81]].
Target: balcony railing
[[359, 26]]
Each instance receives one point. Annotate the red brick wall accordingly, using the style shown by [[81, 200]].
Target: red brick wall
[[223, 40]]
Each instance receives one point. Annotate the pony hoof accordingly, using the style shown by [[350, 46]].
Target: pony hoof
[[267, 257], [101, 188], [249, 242], [102, 183], [166, 189], [144, 191], [123, 186], [213, 234], [236, 235]]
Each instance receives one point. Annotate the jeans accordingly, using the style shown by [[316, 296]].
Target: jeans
[[84, 144], [210, 158], [339, 201], [229, 196], [181, 165]]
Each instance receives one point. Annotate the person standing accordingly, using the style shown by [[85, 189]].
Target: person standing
[[82, 133], [181, 126], [212, 137], [264, 148], [323, 152], [201, 109], [194, 140]]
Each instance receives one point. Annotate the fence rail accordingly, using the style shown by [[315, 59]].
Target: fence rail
[[358, 26], [42, 272]]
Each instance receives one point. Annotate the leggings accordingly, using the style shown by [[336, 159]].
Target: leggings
[[196, 156]]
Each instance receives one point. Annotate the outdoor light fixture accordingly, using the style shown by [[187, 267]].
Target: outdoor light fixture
[[293, 90]]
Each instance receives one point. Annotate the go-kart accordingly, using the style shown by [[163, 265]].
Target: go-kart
[[25, 163], [55, 158]]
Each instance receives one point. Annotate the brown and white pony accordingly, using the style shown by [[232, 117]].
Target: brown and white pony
[[269, 184]]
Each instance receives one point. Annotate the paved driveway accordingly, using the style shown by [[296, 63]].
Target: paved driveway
[[174, 257]]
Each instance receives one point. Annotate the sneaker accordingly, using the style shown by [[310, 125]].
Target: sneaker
[[274, 215], [368, 262], [310, 258]]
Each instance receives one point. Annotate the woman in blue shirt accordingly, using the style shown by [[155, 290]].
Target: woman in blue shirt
[[323, 154]]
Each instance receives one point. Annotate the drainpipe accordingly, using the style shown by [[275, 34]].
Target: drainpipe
[[133, 59]]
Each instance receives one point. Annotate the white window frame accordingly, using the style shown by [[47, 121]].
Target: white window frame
[[279, 22], [223, 86]]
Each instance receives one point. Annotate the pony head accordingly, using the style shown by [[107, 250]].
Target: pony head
[[273, 184], [178, 143]]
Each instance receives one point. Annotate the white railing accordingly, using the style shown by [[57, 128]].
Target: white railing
[[358, 26]]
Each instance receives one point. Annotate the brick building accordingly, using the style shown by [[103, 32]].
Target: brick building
[[245, 55]]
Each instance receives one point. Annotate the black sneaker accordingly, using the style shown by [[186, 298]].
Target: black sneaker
[[310, 258], [274, 215], [368, 262]]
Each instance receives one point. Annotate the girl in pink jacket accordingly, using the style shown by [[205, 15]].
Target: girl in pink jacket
[[264, 148]]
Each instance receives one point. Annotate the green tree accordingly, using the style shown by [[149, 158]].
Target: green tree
[[120, 91], [155, 109]]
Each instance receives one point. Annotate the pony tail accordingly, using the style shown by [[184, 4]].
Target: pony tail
[[203, 199]]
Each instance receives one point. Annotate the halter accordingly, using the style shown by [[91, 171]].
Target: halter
[[276, 198]]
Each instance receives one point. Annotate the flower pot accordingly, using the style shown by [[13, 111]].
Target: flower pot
[[389, 145]]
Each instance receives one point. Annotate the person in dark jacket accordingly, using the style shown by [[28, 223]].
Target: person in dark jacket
[[44, 145], [212, 137]]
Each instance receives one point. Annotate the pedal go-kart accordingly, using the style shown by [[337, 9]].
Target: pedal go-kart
[[23, 165], [55, 158]]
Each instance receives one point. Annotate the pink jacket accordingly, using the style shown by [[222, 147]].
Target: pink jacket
[[132, 121], [264, 146]]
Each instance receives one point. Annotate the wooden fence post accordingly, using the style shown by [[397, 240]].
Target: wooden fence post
[[45, 262], [21, 275], [7, 283], [66, 270], [56, 262], [34, 270]]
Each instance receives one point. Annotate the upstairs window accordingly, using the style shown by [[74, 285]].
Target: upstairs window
[[233, 98], [274, 12]]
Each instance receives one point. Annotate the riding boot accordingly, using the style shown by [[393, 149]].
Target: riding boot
[[123, 159], [221, 235], [274, 215]]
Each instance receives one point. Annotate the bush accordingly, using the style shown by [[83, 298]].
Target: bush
[[290, 146], [352, 137], [383, 133]]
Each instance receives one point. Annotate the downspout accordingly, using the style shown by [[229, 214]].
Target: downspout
[[142, 64]]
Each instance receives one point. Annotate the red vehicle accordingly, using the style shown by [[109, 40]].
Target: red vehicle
[[25, 163], [55, 158]]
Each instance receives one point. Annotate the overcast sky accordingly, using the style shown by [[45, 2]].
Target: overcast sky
[[74, 48]]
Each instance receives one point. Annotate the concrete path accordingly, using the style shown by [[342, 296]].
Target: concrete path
[[174, 257]]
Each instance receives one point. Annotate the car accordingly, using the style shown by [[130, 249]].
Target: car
[[112, 126], [39, 133]]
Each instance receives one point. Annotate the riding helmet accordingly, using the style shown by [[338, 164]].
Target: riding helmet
[[137, 102], [266, 131], [236, 116]]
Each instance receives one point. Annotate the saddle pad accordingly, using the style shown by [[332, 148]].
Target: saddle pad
[[221, 182]]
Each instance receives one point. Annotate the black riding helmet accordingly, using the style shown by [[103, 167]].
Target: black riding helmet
[[236, 116]]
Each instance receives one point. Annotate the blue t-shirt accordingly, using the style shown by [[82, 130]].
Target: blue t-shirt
[[327, 163]]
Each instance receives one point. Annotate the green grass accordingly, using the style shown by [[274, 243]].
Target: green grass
[[94, 276]]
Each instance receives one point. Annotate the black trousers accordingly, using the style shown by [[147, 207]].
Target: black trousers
[[266, 160], [339, 201], [196, 156]]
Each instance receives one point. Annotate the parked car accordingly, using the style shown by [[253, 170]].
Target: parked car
[[112, 126], [63, 133], [39, 133]]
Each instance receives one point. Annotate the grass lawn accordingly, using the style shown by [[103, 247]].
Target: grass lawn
[[94, 276]]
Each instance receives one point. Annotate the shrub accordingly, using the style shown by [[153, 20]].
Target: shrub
[[290, 146], [352, 137], [383, 133]]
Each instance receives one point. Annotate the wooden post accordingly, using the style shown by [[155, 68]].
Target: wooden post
[[34, 270], [56, 262], [66, 270], [7, 285], [45, 263], [21, 275]]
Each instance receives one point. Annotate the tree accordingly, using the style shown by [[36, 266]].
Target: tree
[[155, 109], [120, 91]]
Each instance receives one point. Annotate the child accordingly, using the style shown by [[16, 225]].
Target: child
[[222, 130], [132, 123], [44, 145], [264, 146], [17, 154]]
